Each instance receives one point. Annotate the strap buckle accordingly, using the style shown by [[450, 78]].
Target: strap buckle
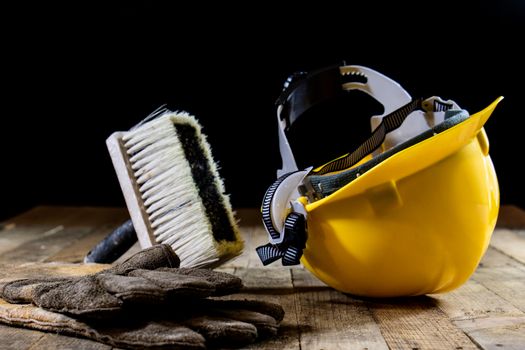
[[284, 218], [279, 201], [290, 250]]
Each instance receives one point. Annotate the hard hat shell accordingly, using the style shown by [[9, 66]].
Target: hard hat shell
[[419, 222]]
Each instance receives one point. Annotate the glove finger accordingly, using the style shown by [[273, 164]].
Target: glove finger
[[22, 291], [265, 316], [165, 335], [82, 297], [266, 325], [132, 289], [264, 307], [220, 331], [177, 285], [161, 255], [224, 283]]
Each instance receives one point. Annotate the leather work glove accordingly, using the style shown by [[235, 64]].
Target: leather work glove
[[147, 301]]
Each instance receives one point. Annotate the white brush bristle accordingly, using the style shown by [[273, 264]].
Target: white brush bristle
[[170, 196]]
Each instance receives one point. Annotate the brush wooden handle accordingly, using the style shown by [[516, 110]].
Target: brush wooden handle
[[114, 245]]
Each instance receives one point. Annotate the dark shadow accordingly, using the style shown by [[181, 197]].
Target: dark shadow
[[421, 301]]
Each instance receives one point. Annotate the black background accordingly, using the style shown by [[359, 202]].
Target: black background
[[72, 74]]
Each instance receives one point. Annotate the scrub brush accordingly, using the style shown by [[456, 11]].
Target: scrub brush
[[173, 191]]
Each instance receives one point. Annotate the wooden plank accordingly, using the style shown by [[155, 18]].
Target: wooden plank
[[242, 261], [253, 236], [494, 258], [511, 243], [471, 325], [482, 313], [288, 335], [49, 242], [329, 319], [303, 279], [316, 316], [473, 300], [506, 282], [32, 224], [54, 230], [95, 216], [61, 342], [16, 237], [417, 323], [513, 291], [272, 285], [263, 280], [508, 337], [77, 250], [52, 216], [13, 338], [39, 270], [489, 308], [42, 215]]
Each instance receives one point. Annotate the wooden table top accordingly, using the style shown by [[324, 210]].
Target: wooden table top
[[487, 312]]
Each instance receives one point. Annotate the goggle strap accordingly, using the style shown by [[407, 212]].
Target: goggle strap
[[304, 90], [389, 123]]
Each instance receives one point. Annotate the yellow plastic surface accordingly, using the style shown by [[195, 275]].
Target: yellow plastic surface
[[417, 223]]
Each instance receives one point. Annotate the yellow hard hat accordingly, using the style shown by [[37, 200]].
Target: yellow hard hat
[[409, 212]]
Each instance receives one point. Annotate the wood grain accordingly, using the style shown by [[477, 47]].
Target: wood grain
[[46, 244], [277, 288], [329, 319], [289, 331], [253, 236], [511, 243], [317, 317], [67, 216], [78, 249], [42, 215], [261, 279], [60, 342], [15, 237], [56, 269], [471, 325], [31, 225], [508, 282], [507, 337], [482, 314], [473, 300], [61, 234], [417, 323], [487, 312], [494, 258], [490, 305], [12, 338]]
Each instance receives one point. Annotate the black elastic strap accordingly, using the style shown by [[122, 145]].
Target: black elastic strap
[[294, 242], [389, 123], [316, 187], [266, 206]]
